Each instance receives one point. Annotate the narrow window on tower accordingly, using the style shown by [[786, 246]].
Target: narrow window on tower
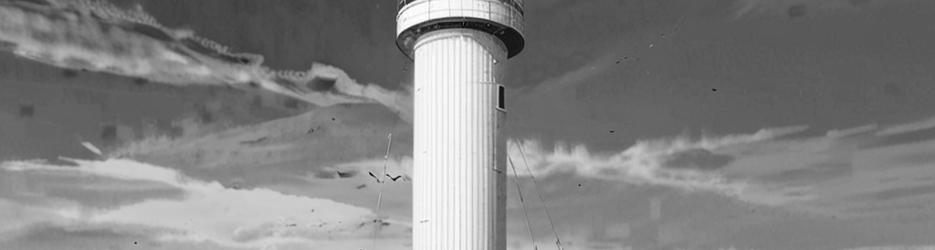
[[501, 97]]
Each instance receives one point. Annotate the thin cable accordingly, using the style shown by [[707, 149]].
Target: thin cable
[[386, 158], [535, 185], [378, 222], [522, 201]]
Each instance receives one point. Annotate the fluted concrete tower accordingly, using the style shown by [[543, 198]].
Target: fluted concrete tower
[[459, 184]]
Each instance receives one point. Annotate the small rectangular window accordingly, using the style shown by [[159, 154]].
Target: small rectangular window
[[501, 97]]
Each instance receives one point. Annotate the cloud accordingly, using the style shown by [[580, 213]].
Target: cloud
[[908, 127], [679, 162], [812, 173], [97, 36], [903, 192], [700, 159], [42, 237], [210, 212], [841, 133], [828, 173], [844, 172], [280, 151], [17, 217], [902, 138]]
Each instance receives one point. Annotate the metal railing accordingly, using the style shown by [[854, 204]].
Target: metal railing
[[418, 11], [516, 4]]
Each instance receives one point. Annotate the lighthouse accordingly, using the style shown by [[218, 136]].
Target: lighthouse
[[459, 48]]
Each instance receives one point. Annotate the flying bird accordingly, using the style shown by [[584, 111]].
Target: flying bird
[[394, 178], [374, 177]]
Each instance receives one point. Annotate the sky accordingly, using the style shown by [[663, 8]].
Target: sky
[[633, 124]]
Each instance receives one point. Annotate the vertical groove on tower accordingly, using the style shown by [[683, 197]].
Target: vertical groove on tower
[[454, 186]]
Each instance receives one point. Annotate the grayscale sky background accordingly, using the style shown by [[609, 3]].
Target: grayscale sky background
[[648, 124]]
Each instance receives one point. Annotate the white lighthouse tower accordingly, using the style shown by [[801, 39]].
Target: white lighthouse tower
[[459, 47]]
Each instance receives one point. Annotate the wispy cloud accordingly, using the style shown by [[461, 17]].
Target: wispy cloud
[[845, 171], [97, 36], [908, 127], [210, 212], [646, 162], [832, 173]]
